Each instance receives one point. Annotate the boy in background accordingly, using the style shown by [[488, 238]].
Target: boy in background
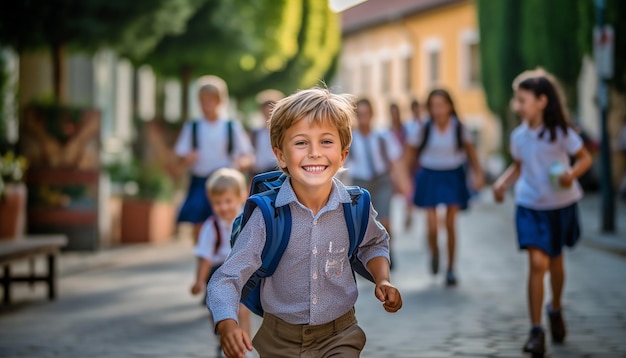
[[226, 190]]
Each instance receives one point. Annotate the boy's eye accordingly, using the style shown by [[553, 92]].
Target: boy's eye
[[300, 142], [327, 141]]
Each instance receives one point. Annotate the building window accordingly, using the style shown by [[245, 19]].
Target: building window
[[469, 59], [385, 76], [408, 72], [366, 73], [474, 64], [433, 67]]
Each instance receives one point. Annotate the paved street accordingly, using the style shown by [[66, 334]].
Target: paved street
[[135, 302]]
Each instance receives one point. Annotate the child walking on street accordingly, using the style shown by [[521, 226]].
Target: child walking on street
[[375, 157], [207, 144], [442, 146], [309, 301], [226, 190], [546, 195]]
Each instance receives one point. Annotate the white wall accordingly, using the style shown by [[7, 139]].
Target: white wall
[[10, 100]]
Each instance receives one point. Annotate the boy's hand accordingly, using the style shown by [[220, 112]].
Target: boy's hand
[[498, 192], [389, 296], [197, 288], [234, 340]]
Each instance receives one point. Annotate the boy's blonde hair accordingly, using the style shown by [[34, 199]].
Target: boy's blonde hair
[[225, 179], [315, 105]]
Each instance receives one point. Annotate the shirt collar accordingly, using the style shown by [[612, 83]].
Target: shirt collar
[[338, 194], [223, 223]]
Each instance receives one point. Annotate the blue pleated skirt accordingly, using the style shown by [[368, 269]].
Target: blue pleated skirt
[[196, 207], [435, 187], [548, 230]]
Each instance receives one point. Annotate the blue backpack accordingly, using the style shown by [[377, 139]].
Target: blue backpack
[[263, 193]]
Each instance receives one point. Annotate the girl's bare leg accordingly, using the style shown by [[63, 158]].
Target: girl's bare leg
[[539, 263]]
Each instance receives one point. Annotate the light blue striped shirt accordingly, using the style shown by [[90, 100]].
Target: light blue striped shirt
[[313, 283]]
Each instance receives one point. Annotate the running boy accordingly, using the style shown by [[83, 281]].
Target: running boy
[[226, 190], [546, 193], [309, 301]]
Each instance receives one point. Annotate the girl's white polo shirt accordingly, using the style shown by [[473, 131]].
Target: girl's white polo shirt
[[533, 188]]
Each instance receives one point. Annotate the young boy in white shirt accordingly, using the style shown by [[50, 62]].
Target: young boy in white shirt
[[226, 190]]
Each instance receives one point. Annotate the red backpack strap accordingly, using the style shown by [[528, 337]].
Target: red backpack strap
[[218, 235]]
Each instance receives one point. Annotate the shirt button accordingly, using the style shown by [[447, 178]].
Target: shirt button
[[315, 222], [314, 251], [308, 331], [314, 300], [315, 276]]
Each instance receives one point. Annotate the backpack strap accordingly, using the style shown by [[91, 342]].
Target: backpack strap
[[194, 135], [382, 145], [229, 136], [267, 181], [218, 235], [277, 232], [459, 134], [425, 135], [356, 214]]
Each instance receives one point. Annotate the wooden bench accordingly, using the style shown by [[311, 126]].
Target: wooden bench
[[30, 248]]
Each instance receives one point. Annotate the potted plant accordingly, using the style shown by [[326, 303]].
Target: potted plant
[[12, 196], [147, 214]]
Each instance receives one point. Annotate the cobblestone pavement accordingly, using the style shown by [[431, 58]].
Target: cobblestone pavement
[[135, 303]]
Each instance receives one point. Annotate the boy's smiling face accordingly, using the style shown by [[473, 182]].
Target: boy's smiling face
[[227, 204], [312, 154]]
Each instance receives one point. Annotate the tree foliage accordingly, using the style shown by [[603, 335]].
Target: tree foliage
[[238, 40], [499, 25], [282, 44], [133, 27], [522, 34], [319, 41], [551, 35]]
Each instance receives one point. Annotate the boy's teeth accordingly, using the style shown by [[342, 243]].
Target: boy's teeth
[[314, 169]]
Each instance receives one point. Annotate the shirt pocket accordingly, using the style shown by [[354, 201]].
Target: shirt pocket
[[334, 260]]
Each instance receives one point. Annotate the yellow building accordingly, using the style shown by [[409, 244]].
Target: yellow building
[[395, 51]]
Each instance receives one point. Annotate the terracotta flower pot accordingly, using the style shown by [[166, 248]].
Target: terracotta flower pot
[[13, 211], [146, 221]]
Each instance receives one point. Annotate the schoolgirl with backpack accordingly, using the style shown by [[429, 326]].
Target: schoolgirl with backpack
[[442, 146]]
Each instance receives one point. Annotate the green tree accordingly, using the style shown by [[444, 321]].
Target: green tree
[[499, 25], [238, 40], [131, 26], [551, 33], [319, 43], [282, 44]]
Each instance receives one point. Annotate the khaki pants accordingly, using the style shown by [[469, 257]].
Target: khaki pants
[[340, 338]]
